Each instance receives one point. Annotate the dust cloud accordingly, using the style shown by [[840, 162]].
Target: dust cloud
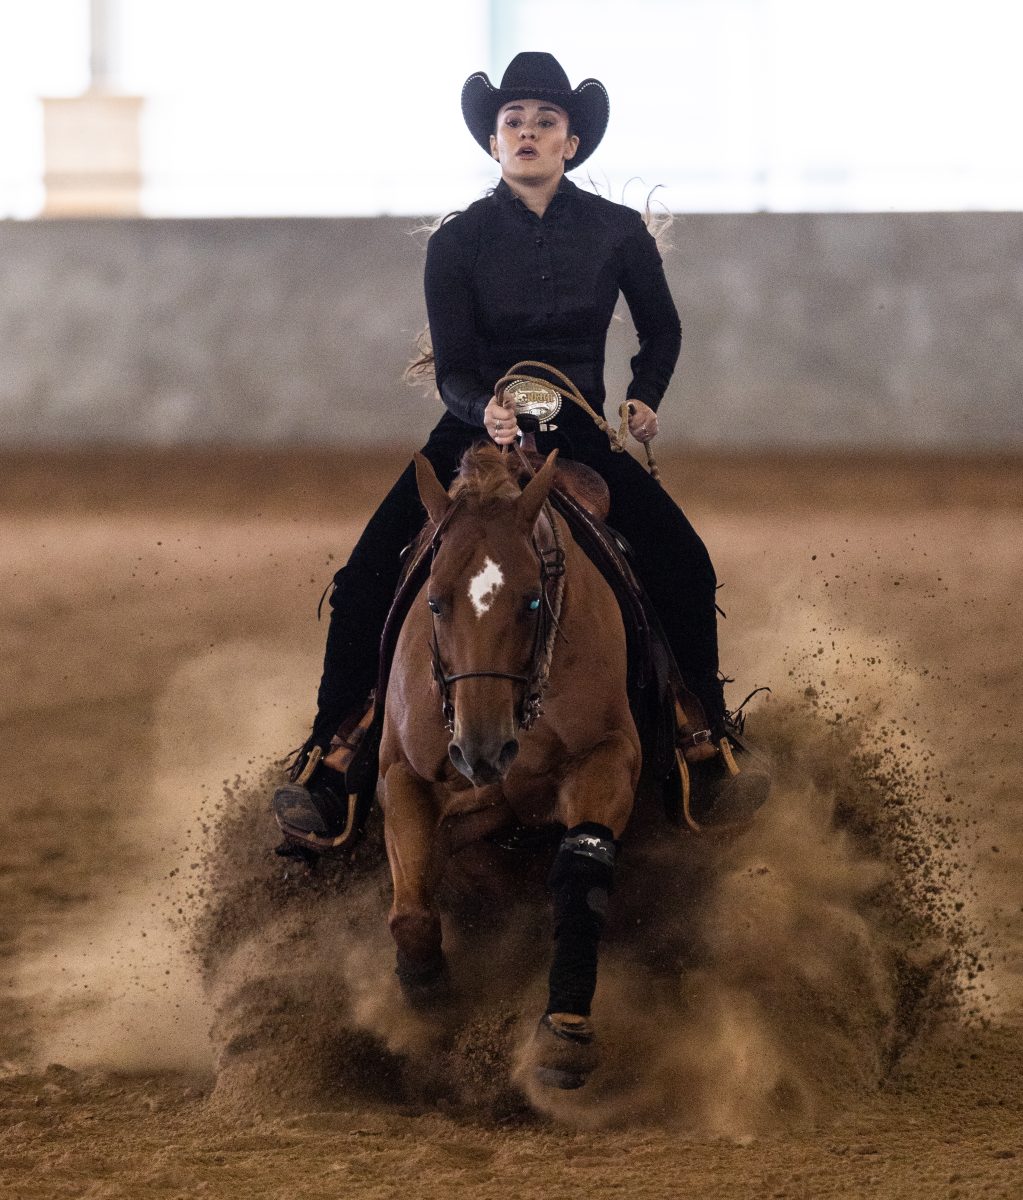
[[116, 986], [746, 982]]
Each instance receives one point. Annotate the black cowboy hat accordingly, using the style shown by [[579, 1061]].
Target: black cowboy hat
[[535, 75]]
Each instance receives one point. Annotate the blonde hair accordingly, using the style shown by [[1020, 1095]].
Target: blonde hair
[[420, 369], [659, 219]]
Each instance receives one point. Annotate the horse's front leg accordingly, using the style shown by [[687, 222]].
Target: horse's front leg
[[594, 804], [410, 827]]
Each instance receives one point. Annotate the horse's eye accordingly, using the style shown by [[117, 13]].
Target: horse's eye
[[434, 605], [533, 604]]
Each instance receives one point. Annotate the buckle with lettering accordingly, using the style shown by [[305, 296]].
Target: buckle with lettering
[[535, 400]]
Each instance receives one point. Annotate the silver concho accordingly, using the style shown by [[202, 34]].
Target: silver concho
[[535, 400]]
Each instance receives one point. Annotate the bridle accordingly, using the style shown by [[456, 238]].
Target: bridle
[[550, 551]]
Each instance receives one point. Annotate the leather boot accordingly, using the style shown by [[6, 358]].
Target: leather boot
[[730, 780], [324, 804]]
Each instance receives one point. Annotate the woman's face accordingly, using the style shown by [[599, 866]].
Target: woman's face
[[532, 142]]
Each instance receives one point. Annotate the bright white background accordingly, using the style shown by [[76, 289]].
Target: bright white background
[[335, 107]]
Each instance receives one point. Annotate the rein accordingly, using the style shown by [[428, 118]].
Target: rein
[[569, 391], [552, 586]]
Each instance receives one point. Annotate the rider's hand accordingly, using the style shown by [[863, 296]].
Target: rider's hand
[[500, 422], [642, 421]]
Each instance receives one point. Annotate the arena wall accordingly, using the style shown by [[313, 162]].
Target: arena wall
[[887, 330]]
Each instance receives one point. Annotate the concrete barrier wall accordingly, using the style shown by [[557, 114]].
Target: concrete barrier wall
[[887, 330]]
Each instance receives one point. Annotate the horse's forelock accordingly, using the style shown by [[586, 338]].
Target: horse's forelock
[[485, 474]]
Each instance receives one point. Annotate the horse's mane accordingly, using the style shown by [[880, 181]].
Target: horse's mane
[[485, 474]]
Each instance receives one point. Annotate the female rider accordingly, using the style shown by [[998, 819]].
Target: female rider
[[531, 271]]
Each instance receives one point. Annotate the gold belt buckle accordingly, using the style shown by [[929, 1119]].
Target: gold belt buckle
[[535, 400]]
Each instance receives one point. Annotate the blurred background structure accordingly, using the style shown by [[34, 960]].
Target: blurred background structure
[[92, 146], [848, 253]]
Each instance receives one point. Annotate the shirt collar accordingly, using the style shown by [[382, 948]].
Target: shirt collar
[[566, 188]]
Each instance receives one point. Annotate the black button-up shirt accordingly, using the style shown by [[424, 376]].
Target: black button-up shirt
[[503, 284]]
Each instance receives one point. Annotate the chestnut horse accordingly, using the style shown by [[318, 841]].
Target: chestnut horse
[[515, 646]]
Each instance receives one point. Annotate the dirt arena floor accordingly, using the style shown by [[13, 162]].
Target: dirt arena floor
[[828, 1006]]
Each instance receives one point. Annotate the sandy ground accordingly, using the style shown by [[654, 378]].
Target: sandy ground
[[830, 1006]]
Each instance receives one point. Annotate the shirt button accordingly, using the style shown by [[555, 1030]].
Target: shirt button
[[539, 241], [545, 277]]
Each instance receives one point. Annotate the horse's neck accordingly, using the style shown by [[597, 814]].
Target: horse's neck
[[586, 591]]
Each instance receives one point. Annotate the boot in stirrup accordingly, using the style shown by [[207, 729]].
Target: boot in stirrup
[[324, 805], [725, 780]]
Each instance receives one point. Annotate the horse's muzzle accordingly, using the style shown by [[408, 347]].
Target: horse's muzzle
[[479, 762]]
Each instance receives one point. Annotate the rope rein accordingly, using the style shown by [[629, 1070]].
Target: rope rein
[[552, 567], [569, 391]]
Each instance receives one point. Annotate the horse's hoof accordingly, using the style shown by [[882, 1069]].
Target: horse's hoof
[[566, 1051]]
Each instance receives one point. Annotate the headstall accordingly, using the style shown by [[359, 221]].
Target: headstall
[[551, 554]]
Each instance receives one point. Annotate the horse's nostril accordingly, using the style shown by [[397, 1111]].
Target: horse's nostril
[[480, 765], [458, 760], [507, 756]]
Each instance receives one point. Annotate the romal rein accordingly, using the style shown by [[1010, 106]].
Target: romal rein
[[552, 569]]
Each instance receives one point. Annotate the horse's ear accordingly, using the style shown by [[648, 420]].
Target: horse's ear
[[535, 491], [435, 499]]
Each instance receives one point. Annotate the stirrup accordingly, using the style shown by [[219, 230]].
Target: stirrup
[[347, 742], [307, 821], [323, 809], [731, 794], [692, 734]]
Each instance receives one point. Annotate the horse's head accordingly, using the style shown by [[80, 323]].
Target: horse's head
[[485, 595]]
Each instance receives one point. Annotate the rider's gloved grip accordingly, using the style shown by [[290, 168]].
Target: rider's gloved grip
[[581, 879]]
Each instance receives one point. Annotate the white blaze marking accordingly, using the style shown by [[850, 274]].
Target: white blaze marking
[[484, 586]]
